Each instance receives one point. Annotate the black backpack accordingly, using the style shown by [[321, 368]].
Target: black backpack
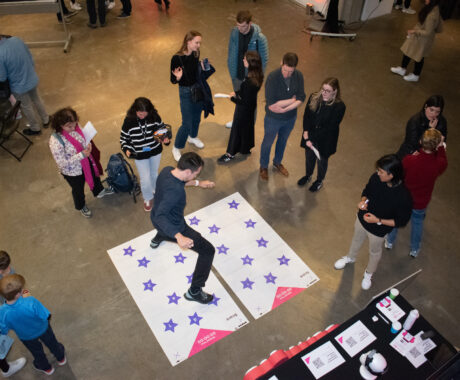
[[120, 176]]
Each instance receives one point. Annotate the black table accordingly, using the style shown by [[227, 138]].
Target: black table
[[398, 366]]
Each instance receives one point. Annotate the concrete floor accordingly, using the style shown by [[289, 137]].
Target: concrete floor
[[63, 256]]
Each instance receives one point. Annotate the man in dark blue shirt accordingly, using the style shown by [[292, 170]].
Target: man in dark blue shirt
[[168, 218]]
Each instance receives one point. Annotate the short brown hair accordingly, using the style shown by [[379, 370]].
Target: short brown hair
[[11, 285], [243, 16], [431, 139], [62, 117], [290, 59], [5, 260]]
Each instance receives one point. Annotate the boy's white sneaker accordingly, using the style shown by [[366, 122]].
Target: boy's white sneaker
[[14, 367], [411, 77], [398, 70], [342, 262]]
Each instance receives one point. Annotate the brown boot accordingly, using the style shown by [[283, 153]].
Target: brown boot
[[281, 169], [263, 173]]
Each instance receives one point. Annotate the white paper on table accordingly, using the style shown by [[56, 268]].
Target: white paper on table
[[415, 349], [220, 95], [390, 309], [323, 359], [355, 338], [89, 131]]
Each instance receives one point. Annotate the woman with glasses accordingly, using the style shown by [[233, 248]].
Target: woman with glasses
[[321, 120]]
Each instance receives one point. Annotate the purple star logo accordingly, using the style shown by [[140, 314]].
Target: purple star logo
[[233, 204], [195, 319], [283, 260], [262, 242], [143, 262], [194, 221], [173, 298], [250, 223], [149, 285], [222, 249], [247, 260], [128, 251], [270, 278], [214, 300], [247, 283], [214, 228], [180, 258], [170, 325], [189, 279]]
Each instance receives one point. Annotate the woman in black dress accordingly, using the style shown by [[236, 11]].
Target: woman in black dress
[[242, 133], [321, 120]]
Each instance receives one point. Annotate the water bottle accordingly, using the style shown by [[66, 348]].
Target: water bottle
[[410, 320]]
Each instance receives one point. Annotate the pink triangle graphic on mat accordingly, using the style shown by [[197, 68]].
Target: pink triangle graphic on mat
[[307, 360], [207, 337], [283, 293], [341, 339]]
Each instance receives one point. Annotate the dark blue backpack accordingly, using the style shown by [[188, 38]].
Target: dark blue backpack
[[120, 176]]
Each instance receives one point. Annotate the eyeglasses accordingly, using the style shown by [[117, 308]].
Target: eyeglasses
[[327, 91]]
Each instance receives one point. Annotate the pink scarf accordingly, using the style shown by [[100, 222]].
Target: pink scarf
[[85, 162]]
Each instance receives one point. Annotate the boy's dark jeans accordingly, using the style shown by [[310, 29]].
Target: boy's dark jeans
[[36, 349]]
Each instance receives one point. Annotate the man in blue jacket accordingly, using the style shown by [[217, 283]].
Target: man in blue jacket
[[245, 36]]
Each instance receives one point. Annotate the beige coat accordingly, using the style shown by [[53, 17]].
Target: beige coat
[[419, 44]]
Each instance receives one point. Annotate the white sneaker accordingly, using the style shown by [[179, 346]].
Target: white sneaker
[[387, 244], [176, 153], [340, 263], [195, 141], [75, 6], [110, 5], [229, 124], [398, 70], [14, 367], [413, 253], [409, 11], [411, 77], [398, 7], [366, 283]]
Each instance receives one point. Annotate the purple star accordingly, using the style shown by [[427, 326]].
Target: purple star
[[149, 285], [173, 298], [222, 249], [194, 221], [214, 228], [170, 325], [180, 258], [283, 260], [189, 279], [250, 223], [128, 251], [262, 242], [195, 319], [270, 278], [247, 260], [143, 262], [247, 283], [233, 204], [214, 300]]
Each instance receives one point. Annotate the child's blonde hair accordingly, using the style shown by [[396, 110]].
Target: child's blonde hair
[[11, 285]]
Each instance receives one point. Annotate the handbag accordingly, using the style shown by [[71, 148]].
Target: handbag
[[195, 89]]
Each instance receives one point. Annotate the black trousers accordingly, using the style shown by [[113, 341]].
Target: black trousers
[[64, 9], [126, 6], [165, 1], [310, 162], [91, 8], [417, 65], [406, 3], [4, 366], [205, 252], [77, 183]]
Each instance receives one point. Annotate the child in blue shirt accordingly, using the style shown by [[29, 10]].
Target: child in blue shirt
[[30, 321]]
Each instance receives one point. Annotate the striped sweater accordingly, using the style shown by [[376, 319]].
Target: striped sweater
[[137, 137]]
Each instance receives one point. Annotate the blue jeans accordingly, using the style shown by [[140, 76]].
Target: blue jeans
[[272, 128], [416, 220], [191, 115], [148, 173]]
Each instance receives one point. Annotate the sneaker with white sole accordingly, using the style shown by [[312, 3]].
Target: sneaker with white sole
[[398, 70], [387, 244], [342, 262], [195, 141], [14, 367], [63, 361], [411, 77], [409, 11], [201, 297], [46, 372], [414, 253], [75, 6], [366, 283], [229, 124], [110, 5], [176, 153], [148, 205], [398, 7], [86, 212], [105, 191]]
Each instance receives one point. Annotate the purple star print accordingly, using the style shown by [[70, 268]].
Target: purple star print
[[149, 285], [180, 258], [170, 325], [247, 283], [195, 319], [214, 229], [283, 260], [189, 279], [234, 205], [270, 278], [173, 298], [250, 223], [143, 262], [222, 249], [214, 300], [247, 260], [262, 242], [128, 251], [194, 221]]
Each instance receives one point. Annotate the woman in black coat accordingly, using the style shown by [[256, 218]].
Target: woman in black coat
[[321, 120], [242, 134]]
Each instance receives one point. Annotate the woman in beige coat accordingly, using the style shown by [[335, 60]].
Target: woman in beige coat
[[420, 40]]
